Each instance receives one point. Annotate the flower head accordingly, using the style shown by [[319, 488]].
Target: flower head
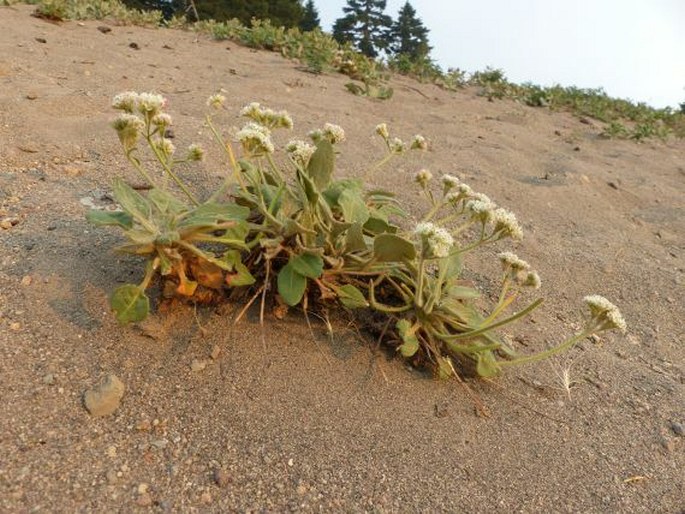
[[216, 101], [150, 104], [195, 153], [507, 224], [256, 139], [419, 143], [334, 133], [267, 117], [162, 120], [166, 147], [532, 280], [129, 128], [437, 241], [511, 261], [423, 177], [382, 130], [300, 151], [605, 315], [481, 210], [396, 145], [126, 101]]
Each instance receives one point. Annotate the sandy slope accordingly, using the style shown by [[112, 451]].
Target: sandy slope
[[295, 423]]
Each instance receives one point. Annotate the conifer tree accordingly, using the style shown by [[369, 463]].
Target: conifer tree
[[310, 18], [408, 35], [365, 25]]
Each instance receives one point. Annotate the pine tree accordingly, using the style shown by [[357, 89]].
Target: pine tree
[[310, 18], [364, 25], [408, 35]]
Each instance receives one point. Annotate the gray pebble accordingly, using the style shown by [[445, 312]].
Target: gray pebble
[[678, 428]]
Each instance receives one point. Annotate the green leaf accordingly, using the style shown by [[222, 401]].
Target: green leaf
[[378, 226], [321, 164], [309, 188], [351, 297], [130, 200], [463, 292], [291, 285], [332, 193], [354, 239], [353, 207], [308, 265], [411, 344], [130, 303], [240, 274], [392, 248], [487, 365], [445, 370], [209, 214], [450, 267], [103, 218], [166, 202]]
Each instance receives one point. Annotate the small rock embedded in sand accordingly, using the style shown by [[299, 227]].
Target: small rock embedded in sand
[[104, 398], [49, 379], [197, 365], [26, 280], [216, 351], [221, 477], [678, 428]]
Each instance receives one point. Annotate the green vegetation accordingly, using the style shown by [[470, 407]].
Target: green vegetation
[[283, 228], [320, 52]]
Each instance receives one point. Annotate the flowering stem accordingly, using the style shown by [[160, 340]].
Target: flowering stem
[[136, 164], [418, 298], [163, 161], [547, 353]]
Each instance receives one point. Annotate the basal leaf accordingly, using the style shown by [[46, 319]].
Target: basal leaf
[[378, 226], [445, 370], [166, 202], [354, 238], [351, 297], [306, 264], [450, 267], [131, 200], [321, 164], [463, 292], [130, 303], [310, 190], [392, 248], [291, 285], [209, 214], [102, 218], [353, 207]]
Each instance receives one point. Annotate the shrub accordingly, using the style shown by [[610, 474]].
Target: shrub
[[291, 232]]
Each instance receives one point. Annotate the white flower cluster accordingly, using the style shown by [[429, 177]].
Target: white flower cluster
[[483, 209], [396, 145], [382, 130], [162, 120], [129, 128], [334, 133], [300, 151], [604, 313], [419, 143], [449, 181], [216, 101], [195, 153], [423, 177], [436, 239], [149, 104], [519, 270], [267, 117], [165, 146], [255, 138]]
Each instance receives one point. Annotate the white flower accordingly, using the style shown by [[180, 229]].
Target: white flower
[[267, 117], [464, 190], [162, 120], [532, 280], [449, 181], [126, 101], [419, 143], [506, 223], [216, 101], [511, 260], [150, 103], [436, 239], [396, 145], [480, 210], [334, 133], [382, 130], [423, 177], [128, 127], [604, 313], [195, 152], [255, 138], [166, 147], [300, 151]]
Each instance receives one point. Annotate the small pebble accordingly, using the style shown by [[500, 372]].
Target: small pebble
[[142, 488], [26, 280], [206, 497], [49, 379], [216, 351], [104, 398], [15, 326], [678, 428], [197, 365], [221, 477], [144, 500]]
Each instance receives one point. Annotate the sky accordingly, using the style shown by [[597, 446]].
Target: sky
[[633, 49]]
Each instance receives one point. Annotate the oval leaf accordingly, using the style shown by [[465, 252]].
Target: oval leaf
[[307, 264], [392, 248], [353, 206], [351, 297], [291, 285], [130, 303], [101, 218], [321, 164], [487, 365], [411, 344]]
